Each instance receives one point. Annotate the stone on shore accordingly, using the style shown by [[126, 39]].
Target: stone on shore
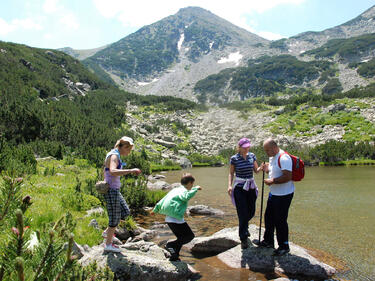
[[140, 261]]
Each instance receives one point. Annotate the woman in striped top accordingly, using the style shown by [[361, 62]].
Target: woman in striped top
[[243, 190]]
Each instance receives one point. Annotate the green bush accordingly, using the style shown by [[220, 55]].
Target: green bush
[[17, 160], [134, 191]]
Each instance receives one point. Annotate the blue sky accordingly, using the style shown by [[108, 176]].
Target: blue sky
[[86, 24]]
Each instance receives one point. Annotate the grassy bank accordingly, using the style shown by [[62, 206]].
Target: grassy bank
[[58, 188], [348, 163]]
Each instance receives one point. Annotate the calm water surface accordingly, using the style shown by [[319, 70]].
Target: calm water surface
[[333, 211]]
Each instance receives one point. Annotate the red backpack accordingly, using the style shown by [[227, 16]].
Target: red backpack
[[298, 167]]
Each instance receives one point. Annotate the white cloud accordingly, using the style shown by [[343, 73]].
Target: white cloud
[[18, 24], [5, 28], [28, 24], [141, 12], [51, 6], [70, 21], [270, 35]]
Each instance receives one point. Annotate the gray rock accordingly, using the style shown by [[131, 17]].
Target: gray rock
[[216, 243], [98, 210], [94, 224], [297, 262], [204, 210], [158, 185], [140, 261], [185, 163], [165, 143]]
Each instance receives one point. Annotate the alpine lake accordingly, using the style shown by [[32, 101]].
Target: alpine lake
[[332, 215]]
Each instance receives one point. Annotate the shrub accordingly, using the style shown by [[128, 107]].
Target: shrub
[[135, 192]]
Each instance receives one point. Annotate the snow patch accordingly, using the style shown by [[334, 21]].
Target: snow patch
[[211, 45], [146, 83], [187, 49], [179, 44], [142, 83], [233, 57], [301, 52]]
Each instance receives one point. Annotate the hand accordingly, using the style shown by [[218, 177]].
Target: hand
[[268, 181], [266, 167], [152, 213], [136, 171], [230, 189], [199, 187]]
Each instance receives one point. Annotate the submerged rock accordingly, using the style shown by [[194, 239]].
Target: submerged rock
[[140, 261], [204, 210]]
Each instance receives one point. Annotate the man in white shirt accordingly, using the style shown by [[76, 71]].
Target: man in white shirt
[[280, 197]]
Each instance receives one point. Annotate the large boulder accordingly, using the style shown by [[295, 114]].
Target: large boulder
[[204, 210], [140, 261], [297, 262], [158, 185], [218, 242]]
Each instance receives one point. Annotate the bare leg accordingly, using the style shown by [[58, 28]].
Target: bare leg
[[110, 233]]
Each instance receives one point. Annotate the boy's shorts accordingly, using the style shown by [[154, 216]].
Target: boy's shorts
[[116, 207]]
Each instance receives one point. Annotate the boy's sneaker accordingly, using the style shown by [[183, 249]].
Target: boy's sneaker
[[265, 244], [112, 248], [174, 256], [281, 251]]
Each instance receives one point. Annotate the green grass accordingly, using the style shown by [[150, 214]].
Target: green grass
[[309, 121], [50, 194]]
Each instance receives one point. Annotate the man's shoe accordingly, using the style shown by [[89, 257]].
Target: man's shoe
[[112, 248], [265, 244], [281, 251], [244, 244]]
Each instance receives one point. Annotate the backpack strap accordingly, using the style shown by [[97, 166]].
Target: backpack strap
[[278, 160]]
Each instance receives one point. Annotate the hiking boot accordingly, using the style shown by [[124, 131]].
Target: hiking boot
[[112, 248], [281, 251], [244, 244], [265, 244]]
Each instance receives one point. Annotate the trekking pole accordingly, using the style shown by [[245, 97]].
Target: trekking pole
[[261, 207]]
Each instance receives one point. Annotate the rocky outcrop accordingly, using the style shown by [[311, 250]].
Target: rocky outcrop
[[226, 242], [139, 261], [297, 262]]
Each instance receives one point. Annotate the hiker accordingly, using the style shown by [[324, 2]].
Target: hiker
[[279, 199], [244, 191], [116, 206], [174, 205]]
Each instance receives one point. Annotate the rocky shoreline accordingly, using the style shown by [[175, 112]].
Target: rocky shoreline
[[141, 258]]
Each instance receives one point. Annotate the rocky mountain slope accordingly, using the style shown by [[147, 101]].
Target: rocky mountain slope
[[363, 24], [171, 55], [81, 54]]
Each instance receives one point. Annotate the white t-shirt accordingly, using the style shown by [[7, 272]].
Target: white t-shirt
[[174, 220], [275, 172]]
